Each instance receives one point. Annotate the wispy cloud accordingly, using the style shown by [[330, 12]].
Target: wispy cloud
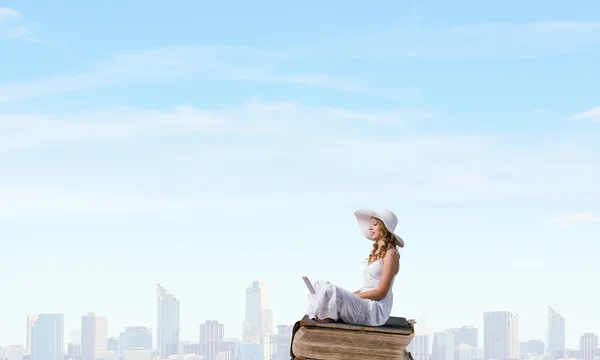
[[493, 40], [12, 26], [538, 111], [18, 131], [171, 63], [7, 15], [574, 218], [592, 115]]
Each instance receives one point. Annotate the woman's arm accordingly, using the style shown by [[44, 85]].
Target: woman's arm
[[391, 264]]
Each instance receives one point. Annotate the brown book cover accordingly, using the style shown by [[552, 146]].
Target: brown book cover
[[312, 340]]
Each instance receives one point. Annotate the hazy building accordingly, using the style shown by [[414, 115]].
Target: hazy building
[[535, 347], [211, 336], [556, 335], [443, 346], [31, 319], [73, 350], [419, 347], [283, 341], [13, 352], [466, 352], [137, 354], [167, 332], [94, 335], [588, 345], [135, 337], [501, 335], [259, 317], [113, 344], [466, 335], [47, 337]]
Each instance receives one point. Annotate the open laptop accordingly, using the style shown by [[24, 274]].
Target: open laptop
[[311, 289]]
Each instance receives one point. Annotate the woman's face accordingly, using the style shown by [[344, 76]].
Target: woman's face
[[375, 229]]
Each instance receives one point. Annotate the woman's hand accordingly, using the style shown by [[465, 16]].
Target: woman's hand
[[356, 292]]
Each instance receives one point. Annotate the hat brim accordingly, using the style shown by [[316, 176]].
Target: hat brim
[[363, 216]]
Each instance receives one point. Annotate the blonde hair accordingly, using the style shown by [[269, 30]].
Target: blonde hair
[[389, 242]]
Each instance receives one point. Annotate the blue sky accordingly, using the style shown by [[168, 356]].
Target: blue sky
[[204, 146]]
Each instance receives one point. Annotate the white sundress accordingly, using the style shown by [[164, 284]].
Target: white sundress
[[334, 302]]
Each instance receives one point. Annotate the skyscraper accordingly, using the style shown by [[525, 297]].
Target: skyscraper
[[94, 335], [31, 319], [167, 332], [259, 317], [443, 346], [135, 337], [419, 347], [47, 337], [500, 335], [556, 335], [588, 344], [211, 336]]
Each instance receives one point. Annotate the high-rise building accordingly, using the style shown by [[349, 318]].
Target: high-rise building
[[500, 335], [556, 335], [135, 337], [419, 347], [535, 347], [283, 342], [47, 337], [113, 344], [31, 319], [211, 336], [588, 345], [73, 350], [466, 335], [259, 316], [167, 332], [443, 346], [94, 335]]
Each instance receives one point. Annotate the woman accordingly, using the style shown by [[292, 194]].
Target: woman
[[372, 304]]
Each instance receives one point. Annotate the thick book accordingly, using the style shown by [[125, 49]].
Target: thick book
[[312, 340]]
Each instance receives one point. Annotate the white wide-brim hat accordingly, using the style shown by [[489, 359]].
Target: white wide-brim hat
[[364, 217]]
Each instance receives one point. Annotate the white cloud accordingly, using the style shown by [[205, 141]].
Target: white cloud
[[7, 15], [155, 65], [19, 131], [592, 115], [574, 218], [495, 40]]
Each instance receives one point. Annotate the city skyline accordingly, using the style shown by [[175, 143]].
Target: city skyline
[[202, 146], [261, 304]]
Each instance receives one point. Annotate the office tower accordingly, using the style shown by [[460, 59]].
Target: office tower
[[31, 319], [556, 335], [283, 342], [443, 346], [73, 350], [135, 337], [500, 335], [532, 347], [13, 352], [419, 347], [112, 344], [588, 345], [190, 347], [465, 352], [137, 354], [466, 335], [47, 337], [167, 332], [94, 335], [211, 335], [258, 322]]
